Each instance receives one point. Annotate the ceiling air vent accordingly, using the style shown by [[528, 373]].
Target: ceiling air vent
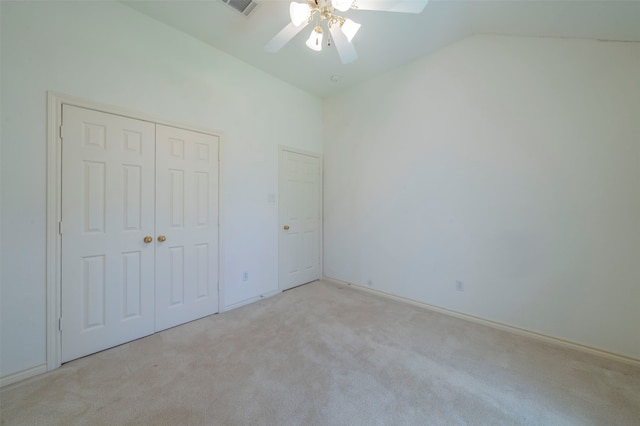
[[243, 6]]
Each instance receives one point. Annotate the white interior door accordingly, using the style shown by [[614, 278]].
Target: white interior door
[[139, 229], [300, 218], [107, 211], [187, 222]]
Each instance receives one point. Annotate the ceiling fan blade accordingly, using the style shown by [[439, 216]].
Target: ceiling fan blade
[[401, 6], [283, 37], [345, 49]]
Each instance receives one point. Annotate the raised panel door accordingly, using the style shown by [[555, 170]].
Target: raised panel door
[[107, 210], [300, 221], [187, 218]]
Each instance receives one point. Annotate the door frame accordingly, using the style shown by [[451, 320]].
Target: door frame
[[53, 277], [281, 149]]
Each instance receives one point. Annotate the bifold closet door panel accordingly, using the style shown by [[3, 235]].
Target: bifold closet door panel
[[139, 229], [186, 226], [107, 210]]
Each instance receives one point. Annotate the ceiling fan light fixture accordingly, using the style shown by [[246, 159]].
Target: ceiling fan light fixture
[[299, 13], [349, 29], [322, 13], [315, 39], [341, 5]]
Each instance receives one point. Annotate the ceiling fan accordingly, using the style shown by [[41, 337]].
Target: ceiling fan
[[342, 30]]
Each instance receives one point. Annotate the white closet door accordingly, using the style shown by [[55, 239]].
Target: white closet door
[[186, 226], [300, 219], [107, 211]]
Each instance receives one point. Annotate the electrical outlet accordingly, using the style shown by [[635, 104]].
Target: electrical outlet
[[459, 286], [245, 276]]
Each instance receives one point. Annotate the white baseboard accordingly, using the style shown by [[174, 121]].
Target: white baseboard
[[39, 369], [251, 300], [24, 374], [497, 325]]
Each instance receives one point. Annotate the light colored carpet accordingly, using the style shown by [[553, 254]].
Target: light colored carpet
[[326, 354]]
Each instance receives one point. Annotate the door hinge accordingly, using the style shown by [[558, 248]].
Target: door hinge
[[60, 227], [60, 323], [60, 132]]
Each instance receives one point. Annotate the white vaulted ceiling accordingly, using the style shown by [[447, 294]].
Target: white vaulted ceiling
[[387, 40]]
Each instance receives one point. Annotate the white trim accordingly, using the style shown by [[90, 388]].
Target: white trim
[[497, 325], [60, 98], [221, 292], [251, 300], [282, 148], [54, 188], [298, 151], [22, 375], [53, 298]]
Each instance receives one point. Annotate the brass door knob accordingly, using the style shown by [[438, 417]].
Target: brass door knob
[[286, 227], [162, 238], [147, 239]]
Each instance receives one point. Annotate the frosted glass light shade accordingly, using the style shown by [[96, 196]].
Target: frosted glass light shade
[[299, 12], [350, 28], [341, 5], [315, 39]]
